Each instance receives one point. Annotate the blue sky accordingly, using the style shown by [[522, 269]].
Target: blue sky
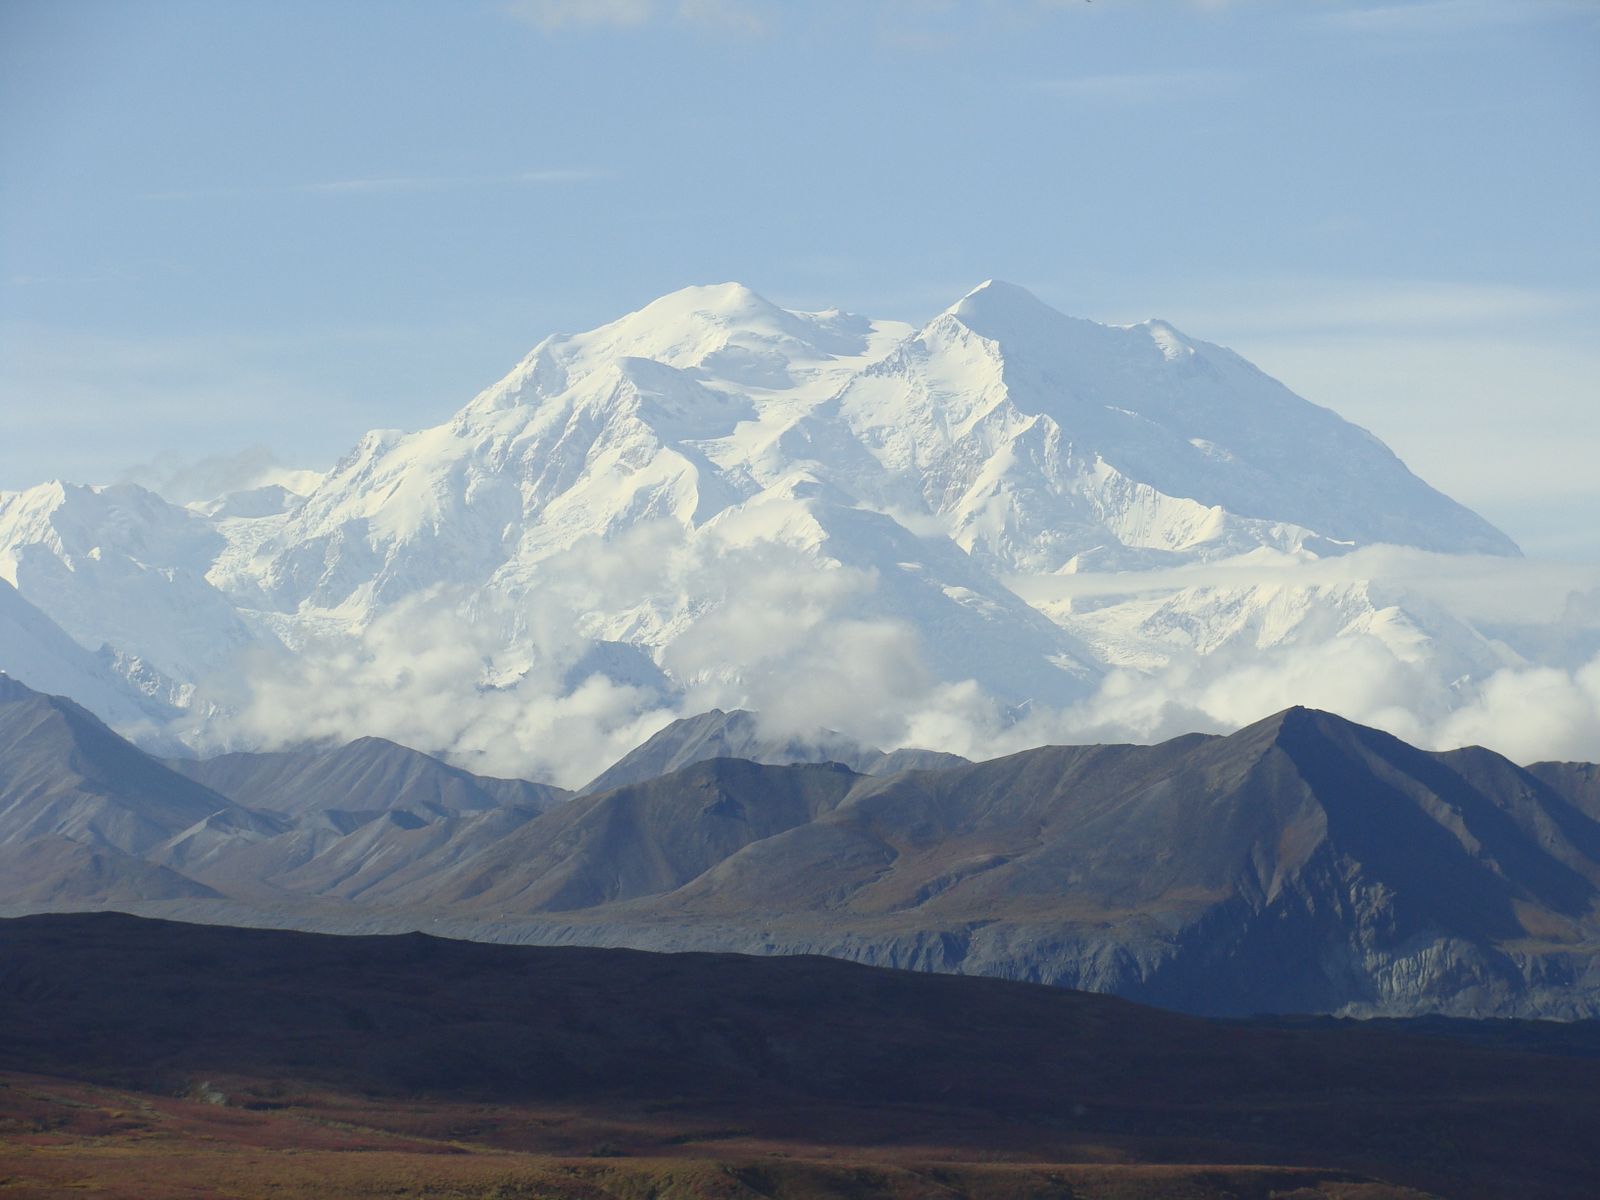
[[228, 224]]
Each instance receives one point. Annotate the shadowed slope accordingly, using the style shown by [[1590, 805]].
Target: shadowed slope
[[798, 1051], [62, 772], [369, 773], [1303, 863], [52, 871], [1578, 782], [648, 838]]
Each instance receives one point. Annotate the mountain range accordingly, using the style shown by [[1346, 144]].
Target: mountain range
[[1304, 863], [715, 502]]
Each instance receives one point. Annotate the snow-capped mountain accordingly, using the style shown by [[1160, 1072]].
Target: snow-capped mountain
[[722, 483], [1027, 438], [118, 567], [35, 648], [1041, 440]]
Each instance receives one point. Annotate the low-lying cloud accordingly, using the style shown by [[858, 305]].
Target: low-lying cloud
[[490, 682]]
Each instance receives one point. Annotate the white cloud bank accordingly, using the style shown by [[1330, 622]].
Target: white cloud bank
[[553, 16], [1425, 17], [418, 675], [491, 684]]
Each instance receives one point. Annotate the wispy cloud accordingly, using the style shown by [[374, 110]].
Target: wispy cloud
[[438, 183], [1139, 87], [564, 175], [1392, 306], [80, 405], [1479, 588], [380, 184], [738, 16], [1056, 5], [579, 14], [734, 16], [25, 279], [1451, 16], [810, 655], [396, 183], [183, 478]]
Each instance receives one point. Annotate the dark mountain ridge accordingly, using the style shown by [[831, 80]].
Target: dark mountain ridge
[[63, 772], [738, 734], [1304, 863], [367, 773]]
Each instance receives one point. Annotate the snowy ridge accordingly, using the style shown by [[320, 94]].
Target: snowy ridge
[[39, 653], [119, 567], [746, 494]]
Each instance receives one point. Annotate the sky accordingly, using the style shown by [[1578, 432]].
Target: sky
[[273, 226]]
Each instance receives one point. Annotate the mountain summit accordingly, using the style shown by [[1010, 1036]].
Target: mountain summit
[[1040, 437], [714, 465], [1025, 437]]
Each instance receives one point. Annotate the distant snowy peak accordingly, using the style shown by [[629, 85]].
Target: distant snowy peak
[[74, 520], [120, 568], [667, 413], [1044, 437], [37, 652], [896, 482], [724, 336], [1033, 441]]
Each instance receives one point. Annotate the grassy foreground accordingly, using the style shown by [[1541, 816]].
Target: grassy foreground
[[65, 1138], [152, 1059]]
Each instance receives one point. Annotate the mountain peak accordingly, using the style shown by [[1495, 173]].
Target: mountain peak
[[998, 289], [1005, 440], [728, 294], [995, 308], [1297, 717], [1301, 729], [14, 691], [728, 303], [723, 331]]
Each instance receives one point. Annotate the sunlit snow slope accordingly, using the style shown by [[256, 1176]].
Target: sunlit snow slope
[[713, 465]]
